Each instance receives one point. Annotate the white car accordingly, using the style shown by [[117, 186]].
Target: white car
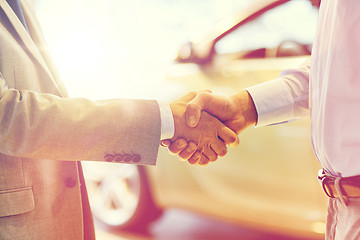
[[269, 181]]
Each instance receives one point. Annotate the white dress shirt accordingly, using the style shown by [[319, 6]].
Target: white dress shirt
[[334, 82], [167, 121]]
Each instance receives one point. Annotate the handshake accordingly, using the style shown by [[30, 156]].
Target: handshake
[[206, 123]]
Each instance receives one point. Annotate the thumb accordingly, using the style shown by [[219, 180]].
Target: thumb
[[193, 110], [191, 95]]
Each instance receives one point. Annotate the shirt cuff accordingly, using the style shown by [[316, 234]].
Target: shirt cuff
[[167, 121], [273, 102]]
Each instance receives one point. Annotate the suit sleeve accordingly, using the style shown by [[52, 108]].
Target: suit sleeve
[[40, 125], [283, 99]]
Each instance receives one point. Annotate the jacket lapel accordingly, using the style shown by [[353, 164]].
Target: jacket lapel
[[29, 42]]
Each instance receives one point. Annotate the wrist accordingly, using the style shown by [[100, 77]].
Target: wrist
[[167, 121], [178, 115], [245, 106]]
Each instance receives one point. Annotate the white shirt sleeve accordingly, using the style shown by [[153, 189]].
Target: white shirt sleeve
[[167, 121], [283, 99]]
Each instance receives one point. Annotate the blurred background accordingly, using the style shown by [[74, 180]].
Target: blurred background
[[123, 48], [264, 189]]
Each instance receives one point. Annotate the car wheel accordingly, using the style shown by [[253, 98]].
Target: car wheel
[[119, 195]]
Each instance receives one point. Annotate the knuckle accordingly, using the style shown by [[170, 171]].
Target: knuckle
[[182, 155], [210, 155], [173, 149], [191, 146], [193, 161], [207, 95], [192, 107], [180, 143], [207, 90], [222, 152], [213, 158], [192, 93], [201, 148], [188, 151], [204, 162], [185, 155], [203, 95], [195, 158]]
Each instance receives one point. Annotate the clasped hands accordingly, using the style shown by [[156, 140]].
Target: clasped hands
[[206, 123]]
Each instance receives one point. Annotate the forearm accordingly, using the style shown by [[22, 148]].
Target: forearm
[[38, 125]]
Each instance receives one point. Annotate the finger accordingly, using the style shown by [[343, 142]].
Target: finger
[[204, 160], [194, 108], [210, 154], [205, 90], [228, 136], [188, 97], [177, 146], [188, 151], [165, 143], [191, 95], [219, 148], [195, 158]]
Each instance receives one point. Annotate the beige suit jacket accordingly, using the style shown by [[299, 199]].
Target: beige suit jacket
[[43, 134]]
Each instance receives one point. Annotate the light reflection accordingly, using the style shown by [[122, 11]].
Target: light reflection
[[116, 48], [319, 227]]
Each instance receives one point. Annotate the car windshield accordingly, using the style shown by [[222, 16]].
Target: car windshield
[[292, 21]]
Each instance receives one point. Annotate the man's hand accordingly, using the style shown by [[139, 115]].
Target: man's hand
[[209, 137], [185, 150], [236, 112]]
